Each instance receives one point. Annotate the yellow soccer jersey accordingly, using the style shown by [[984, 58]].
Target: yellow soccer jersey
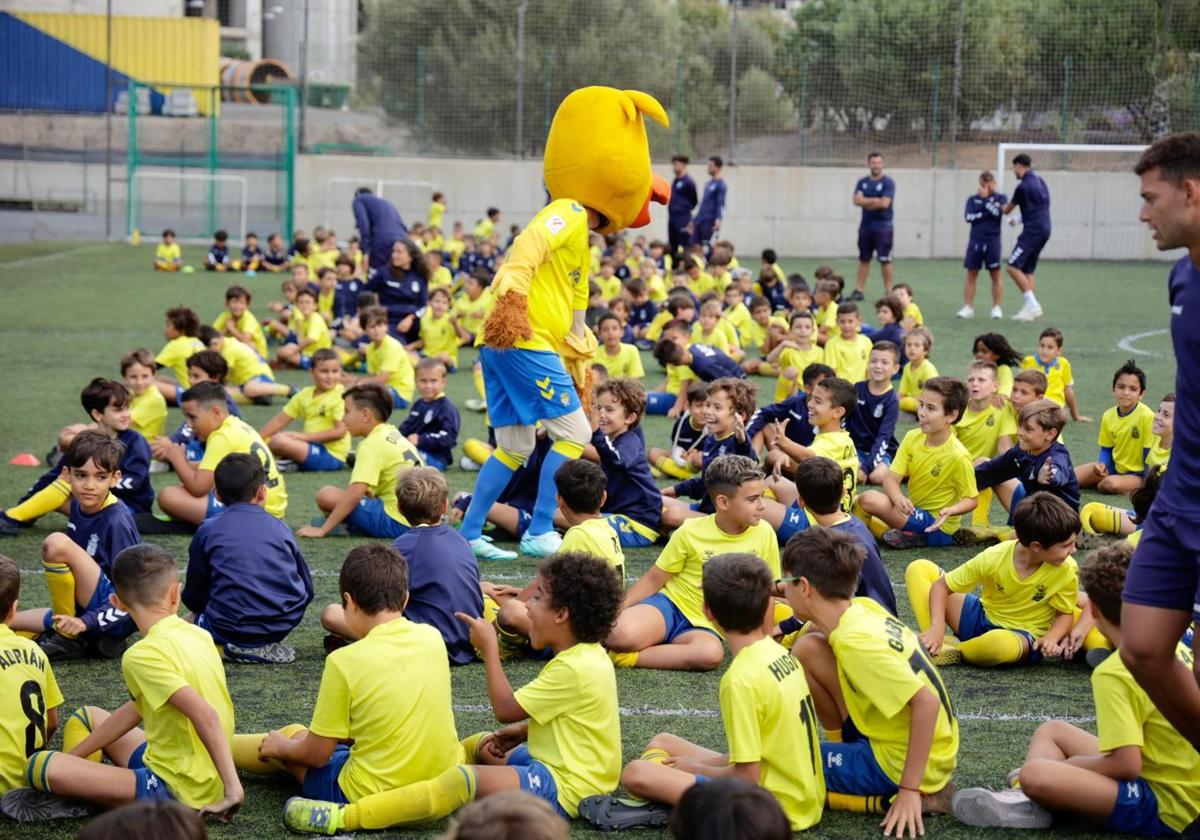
[[247, 324], [676, 376], [325, 302], [29, 692], [148, 412], [656, 288], [610, 287], [654, 331], [236, 435], [1004, 380], [755, 334], [313, 329], [1128, 436], [980, 431], [484, 229], [597, 538], [244, 363], [769, 718], [913, 311], [839, 446], [472, 313], [454, 249], [436, 211], [692, 544], [826, 316], [390, 357], [881, 666], [175, 354], [1028, 604], [323, 258], [912, 380], [574, 726], [716, 339], [441, 278], [173, 655], [439, 336], [848, 358], [168, 253], [390, 693], [703, 284], [799, 359], [626, 364], [320, 413], [1158, 456], [377, 463], [1127, 717], [938, 476], [1058, 376], [739, 316]]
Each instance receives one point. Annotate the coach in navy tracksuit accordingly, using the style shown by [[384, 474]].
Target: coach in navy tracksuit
[[712, 205], [1033, 197], [679, 210], [379, 226]]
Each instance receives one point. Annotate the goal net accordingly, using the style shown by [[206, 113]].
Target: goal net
[[1100, 221], [410, 198], [193, 204]]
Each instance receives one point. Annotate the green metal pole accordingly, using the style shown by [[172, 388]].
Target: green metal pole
[[1196, 98], [131, 157], [933, 117], [549, 74], [1066, 100], [289, 206], [677, 116], [420, 98], [804, 111], [212, 165]]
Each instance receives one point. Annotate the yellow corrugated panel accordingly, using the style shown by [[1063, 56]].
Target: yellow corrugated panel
[[157, 51]]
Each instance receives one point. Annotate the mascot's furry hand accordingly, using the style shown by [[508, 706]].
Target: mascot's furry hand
[[508, 322], [578, 352]]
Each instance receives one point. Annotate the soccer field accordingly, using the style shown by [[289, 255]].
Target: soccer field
[[70, 310]]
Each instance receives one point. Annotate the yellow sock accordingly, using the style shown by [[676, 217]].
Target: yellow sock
[[877, 527], [477, 378], [1095, 640], [654, 755], [245, 751], [908, 404], [624, 659], [919, 578], [61, 584], [36, 768], [76, 730], [995, 647], [46, 500], [669, 467], [856, 804], [470, 746], [1099, 518], [768, 369], [979, 516], [476, 450], [858, 510], [419, 802], [834, 736]]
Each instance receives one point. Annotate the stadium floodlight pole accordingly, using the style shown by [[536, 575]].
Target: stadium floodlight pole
[[520, 134]]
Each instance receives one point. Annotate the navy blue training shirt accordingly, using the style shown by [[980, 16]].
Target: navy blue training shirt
[[443, 578], [1033, 197], [885, 187], [631, 488]]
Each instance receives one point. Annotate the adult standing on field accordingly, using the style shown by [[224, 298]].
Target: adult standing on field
[[679, 210], [1162, 590], [712, 206], [379, 225], [1033, 197], [875, 194], [984, 211]]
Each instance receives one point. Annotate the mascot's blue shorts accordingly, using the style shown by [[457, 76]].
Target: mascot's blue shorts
[[525, 386]]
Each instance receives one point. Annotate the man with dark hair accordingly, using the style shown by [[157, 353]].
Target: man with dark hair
[[875, 195], [1161, 592], [1033, 197], [379, 225], [712, 205], [679, 210]]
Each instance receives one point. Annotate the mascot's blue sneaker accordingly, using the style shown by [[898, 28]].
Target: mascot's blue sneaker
[[484, 549], [541, 545]]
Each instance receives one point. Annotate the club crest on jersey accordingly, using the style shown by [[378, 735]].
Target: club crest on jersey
[[1135, 433], [1040, 594], [936, 471], [878, 411], [991, 421], [93, 544], [428, 415]]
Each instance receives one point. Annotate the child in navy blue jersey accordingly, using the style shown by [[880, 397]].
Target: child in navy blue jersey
[[793, 412], [443, 573], [252, 255], [217, 258], [872, 425], [432, 425], [247, 582], [80, 619], [633, 504], [889, 311], [686, 435], [708, 363], [642, 311]]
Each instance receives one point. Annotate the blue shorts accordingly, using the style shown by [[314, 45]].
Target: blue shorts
[[983, 253], [179, 389], [1027, 250], [877, 242], [321, 783], [883, 459], [110, 620], [305, 361], [525, 386], [629, 536], [659, 402], [851, 767], [215, 506], [318, 459], [397, 400], [263, 377], [432, 460], [371, 519], [922, 519], [973, 622], [201, 620], [536, 778], [702, 231], [795, 520], [149, 786], [674, 620], [1136, 812], [1165, 569]]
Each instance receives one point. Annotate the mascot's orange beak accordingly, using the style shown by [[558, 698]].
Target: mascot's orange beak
[[660, 193]]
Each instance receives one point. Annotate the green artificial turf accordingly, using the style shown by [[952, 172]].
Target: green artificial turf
[[68, 312]]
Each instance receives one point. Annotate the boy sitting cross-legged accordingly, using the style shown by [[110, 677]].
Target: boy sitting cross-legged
[[633, 502], [891, 729], [1029, 585], [1137, 775], [768, 715], [325, 442], [872, 423], [663, 624], [562, 738], [432, 425], [830, 402], [1125, 437]]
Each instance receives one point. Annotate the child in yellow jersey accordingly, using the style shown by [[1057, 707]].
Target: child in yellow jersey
[[699, 281], [473, 305], [768, 715], [182, 326], [912, 317], [918, 344], [663, 624], [561, 735], [194, 499], [324, 443], [437, 209], [735, 312], [848, 350], [237, 321], [1028, 385], [830, 402], [388, 362], [1136, 775], [984, 423], [1126, 437], [1060, 382], [370, 732], [825, 299], [795, 353], [327, 283], [1027, 604], [31, 694], [890, 724], [440, 335], [148, 409], [368, 503], [250, 378], [940, 473], [680, 307], [763, 334], [311, 332], [710, 329], [177, 685], [167, 256], [622, 361], [607, 280]]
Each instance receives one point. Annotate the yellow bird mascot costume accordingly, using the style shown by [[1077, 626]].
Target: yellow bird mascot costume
[[536, 349]]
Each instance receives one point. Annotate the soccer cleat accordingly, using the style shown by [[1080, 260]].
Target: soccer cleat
[[467, 465], [60, 648], [895, 538], [274, 653], [159, 467], [1011, 808], [975, 535], [108, 647], [485, 550], [475, 404], [333, 641], [1095, 656], [997, 313], [286, 465], [966, 313], [311, 816], [26, 805], [948, 655], [612, 813], [855, 296], [9, 527], [1028, 312], [540, 545]]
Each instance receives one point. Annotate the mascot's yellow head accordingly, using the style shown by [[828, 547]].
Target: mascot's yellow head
[[597, 154]]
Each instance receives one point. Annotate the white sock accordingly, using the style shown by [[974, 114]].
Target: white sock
[[1031, 298]]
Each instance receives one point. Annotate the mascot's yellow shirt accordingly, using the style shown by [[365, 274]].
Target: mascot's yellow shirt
[[548, 264]]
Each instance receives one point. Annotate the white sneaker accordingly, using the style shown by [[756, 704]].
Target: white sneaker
[[967, 312], [999, 809], [468, 465], [997, 313], [474, 404], [1029, 312]]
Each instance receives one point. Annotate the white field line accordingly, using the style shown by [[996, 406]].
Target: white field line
[[56, 255], [1127, 343]]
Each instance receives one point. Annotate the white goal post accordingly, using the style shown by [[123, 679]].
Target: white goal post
[[193, 218], [410, 197]]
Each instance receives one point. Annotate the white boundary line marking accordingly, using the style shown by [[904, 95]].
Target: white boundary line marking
[[56, 255], [1126, 343]]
